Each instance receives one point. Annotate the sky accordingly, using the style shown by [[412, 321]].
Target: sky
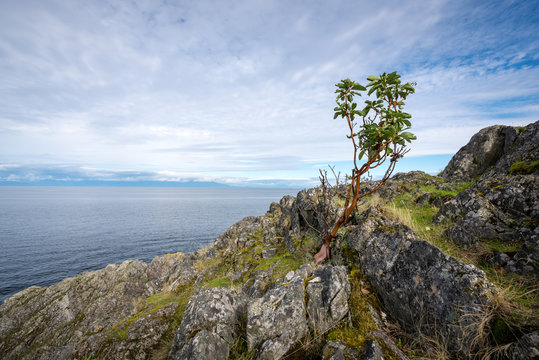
[[241, 93]]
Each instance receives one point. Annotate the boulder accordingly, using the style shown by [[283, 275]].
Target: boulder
[[328, 292], [503, 209], [209, 324], [482, 151], [419, 285], [460, 236], [276, 321], [524, 149], [238, 235]]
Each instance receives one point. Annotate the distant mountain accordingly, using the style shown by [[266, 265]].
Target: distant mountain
[[114, 183]]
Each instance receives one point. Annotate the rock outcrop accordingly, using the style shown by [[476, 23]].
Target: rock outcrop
[[328, 293], [419, 285], [502, 206], [493, 151], [83, 314], [210, 324], [483, 151], [276, 320]]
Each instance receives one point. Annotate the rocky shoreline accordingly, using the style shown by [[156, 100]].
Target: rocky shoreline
[[420, 271]]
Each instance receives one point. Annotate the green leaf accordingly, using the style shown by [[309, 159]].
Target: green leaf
[[359, 87], [408, 136], [361, 155], [408, 87], [373, 78]]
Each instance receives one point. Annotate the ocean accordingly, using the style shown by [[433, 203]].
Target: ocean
[[50, 233]]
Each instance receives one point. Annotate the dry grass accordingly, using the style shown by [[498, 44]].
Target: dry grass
[[510, 313]]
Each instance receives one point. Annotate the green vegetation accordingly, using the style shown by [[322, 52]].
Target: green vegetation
[[362, 323], [502, 246], [219, 282], [523, 167]]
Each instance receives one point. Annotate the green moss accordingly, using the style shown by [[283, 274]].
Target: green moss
[[351, 337], [257, 236], [264, 265], [181, 296], [362, 323], [501, 332], [287, 263], [219, 282], [523, 167], [121, 334], [387, 229], [464, 186], [159, 300]]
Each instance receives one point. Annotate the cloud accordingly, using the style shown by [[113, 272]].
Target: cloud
[[247, 87]]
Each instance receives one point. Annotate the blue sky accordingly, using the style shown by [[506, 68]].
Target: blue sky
[[241, 92]]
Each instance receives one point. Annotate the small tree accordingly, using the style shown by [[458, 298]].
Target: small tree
[[382, 136]]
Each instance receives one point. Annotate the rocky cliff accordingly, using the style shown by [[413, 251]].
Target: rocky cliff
[[431, 267]]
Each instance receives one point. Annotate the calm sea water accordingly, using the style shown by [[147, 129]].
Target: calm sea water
[[50, 233]]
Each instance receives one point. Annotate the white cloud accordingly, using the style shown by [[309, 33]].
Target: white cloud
[[247, 87]]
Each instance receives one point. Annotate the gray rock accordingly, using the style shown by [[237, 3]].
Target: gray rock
[[237, 236], [141, 337], [276, 321], [209, 325], [414, 178], [268, 253], [523, 148], [373, 351], [482, 151], [328, 294], [419, 285], [203, 345], [460, 236], [259, 282], [505, 208], [527, 347], [423, 198], [338, 351], [77, 315]]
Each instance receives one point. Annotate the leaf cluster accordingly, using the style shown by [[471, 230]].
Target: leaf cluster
[[384, 128]]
